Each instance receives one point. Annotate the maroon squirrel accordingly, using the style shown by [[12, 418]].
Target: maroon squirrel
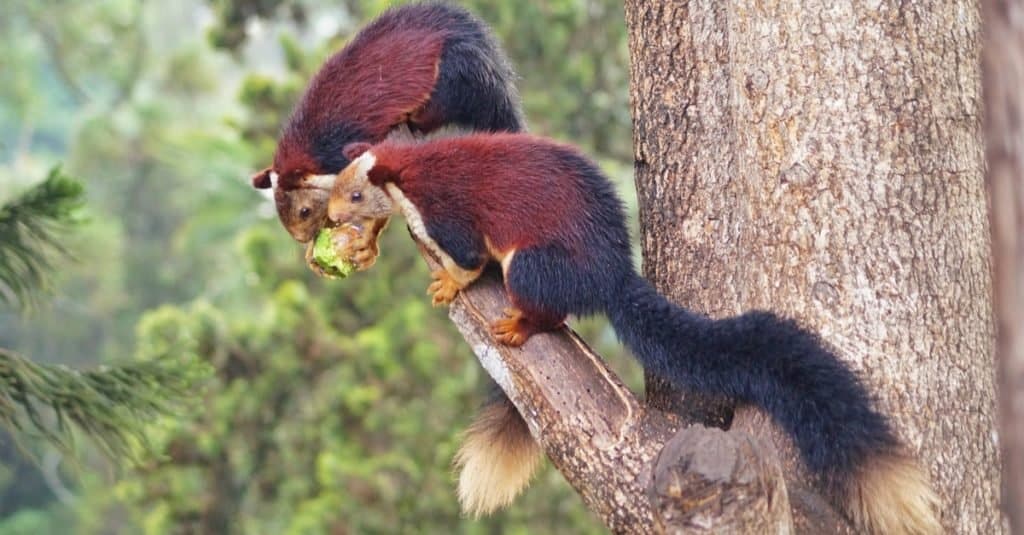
[[552, 221], [422, 66]]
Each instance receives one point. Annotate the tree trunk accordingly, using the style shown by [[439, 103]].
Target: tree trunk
[[823, 160], [1003, 68]]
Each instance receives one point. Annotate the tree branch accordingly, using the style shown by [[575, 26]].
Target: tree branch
[[111, 405], [30, 230], [590, 425], [632, 465]]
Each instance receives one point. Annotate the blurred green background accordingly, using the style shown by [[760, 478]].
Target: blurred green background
[[333, 406]]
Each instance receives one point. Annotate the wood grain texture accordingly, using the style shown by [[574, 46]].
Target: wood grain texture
[[824, 160], [1003, 69]]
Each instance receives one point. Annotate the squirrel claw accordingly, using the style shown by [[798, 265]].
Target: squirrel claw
[[510, 330], [364, 258], [444, 288], [364, 252]]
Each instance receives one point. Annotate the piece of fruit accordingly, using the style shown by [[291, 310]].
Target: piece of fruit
[[331, 250]]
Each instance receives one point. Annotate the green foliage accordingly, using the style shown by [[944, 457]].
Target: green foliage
[[232, 15], [573, 59], [31, 522], [31, 227], [111, 405], [365, 443], [264, 98]]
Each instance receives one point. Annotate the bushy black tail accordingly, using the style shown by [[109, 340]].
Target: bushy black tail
[[771, 362]]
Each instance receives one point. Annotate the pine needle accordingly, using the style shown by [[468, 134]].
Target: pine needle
[[111, 405], [30, 228]]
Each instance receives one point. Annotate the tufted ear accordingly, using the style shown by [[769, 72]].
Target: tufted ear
[[261, 180], [355, 150]]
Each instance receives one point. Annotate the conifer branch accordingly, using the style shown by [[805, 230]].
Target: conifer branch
[[30, 228], [111, 404]]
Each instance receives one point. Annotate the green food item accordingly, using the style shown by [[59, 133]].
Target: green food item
[[326, 256]]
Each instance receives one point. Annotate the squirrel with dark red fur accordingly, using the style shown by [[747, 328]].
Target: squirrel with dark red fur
[[553, 222], [423, 66]]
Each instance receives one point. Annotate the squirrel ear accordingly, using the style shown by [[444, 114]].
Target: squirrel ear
[[261, 180], [355, 150]]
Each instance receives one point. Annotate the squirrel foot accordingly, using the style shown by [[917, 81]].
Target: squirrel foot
[[444, 288], [512, 330]]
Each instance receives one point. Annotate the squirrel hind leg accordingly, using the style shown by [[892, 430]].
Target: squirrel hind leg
[[891, 494], [518, 326], [497, 459], [546, 284]]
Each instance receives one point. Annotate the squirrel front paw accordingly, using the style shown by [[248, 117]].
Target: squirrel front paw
[[444, 288], [364, 253]]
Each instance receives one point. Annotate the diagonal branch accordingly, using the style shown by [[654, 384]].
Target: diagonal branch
[[631, 464], [590, 425]]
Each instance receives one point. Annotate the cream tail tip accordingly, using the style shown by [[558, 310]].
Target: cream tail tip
[[496, 460], [892, 495]]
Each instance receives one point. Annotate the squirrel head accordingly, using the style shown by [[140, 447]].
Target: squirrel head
[[302, 187], [301, 204], [354, 198]]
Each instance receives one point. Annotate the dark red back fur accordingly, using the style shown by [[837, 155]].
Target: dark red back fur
[[515, 189], [386, 73], [374, 83]]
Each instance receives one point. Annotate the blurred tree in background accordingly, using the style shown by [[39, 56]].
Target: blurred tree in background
[[335, 406], [113, 406]]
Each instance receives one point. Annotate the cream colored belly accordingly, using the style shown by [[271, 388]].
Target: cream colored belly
[[419, 230]]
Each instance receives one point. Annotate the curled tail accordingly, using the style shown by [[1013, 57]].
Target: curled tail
[[772, 363], [497, 458]]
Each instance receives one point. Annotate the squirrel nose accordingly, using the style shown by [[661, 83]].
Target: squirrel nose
[[336, 214]]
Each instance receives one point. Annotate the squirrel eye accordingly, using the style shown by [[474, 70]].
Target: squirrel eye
[[357, 196], [304, 212]]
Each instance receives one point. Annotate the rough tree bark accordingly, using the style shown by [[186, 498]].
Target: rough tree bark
[[824, 160], [1003, 68]]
